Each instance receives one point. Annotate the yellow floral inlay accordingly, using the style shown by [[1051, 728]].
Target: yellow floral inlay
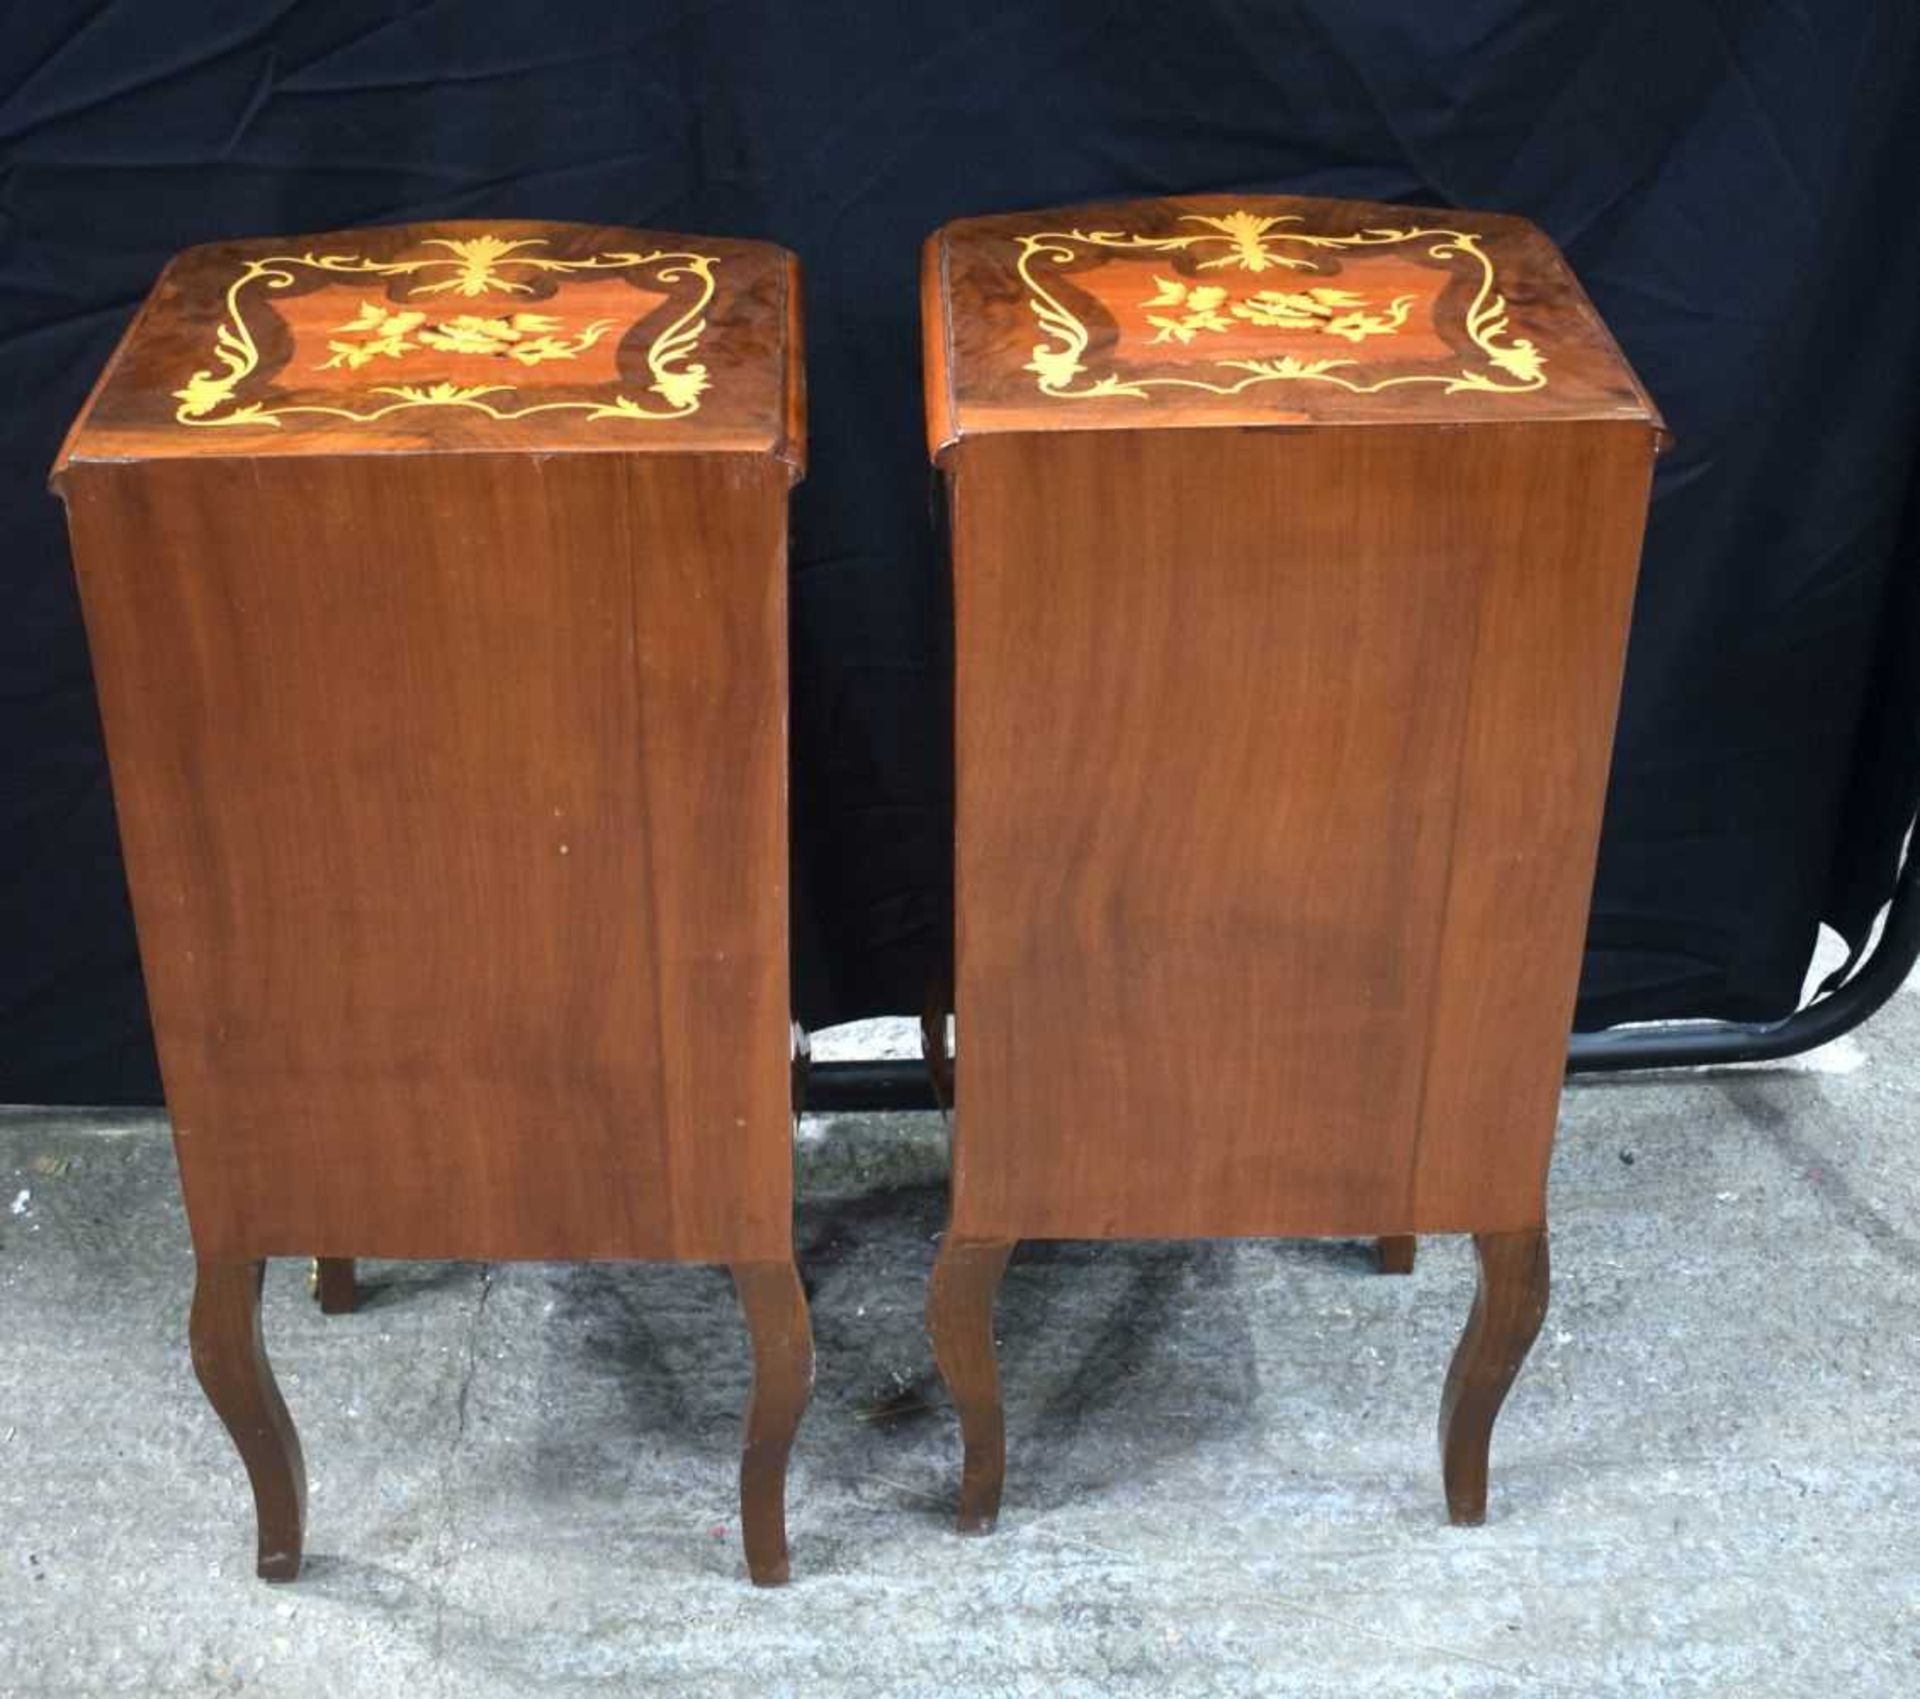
[[1248, 235], [383, 333], [478, 261], [1332, 312], [377, 332], [1185, 312], [1199, 310]]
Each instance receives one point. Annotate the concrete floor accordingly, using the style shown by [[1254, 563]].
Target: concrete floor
[[1223, 1477]]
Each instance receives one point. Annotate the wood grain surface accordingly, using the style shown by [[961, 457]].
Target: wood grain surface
[[452, 789], [1280, 758]]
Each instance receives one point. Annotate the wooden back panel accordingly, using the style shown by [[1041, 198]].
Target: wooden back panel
[[452, 788], [1280, 759]]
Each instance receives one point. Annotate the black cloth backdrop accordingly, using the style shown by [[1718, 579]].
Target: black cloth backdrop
[[1727, 176]]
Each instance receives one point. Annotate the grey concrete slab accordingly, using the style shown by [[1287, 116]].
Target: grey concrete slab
[[1223, 1476]]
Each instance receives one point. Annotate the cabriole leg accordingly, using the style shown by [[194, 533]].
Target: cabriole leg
[[1507, 1312], [966, 1279], [775, 1306], [230, 1359]]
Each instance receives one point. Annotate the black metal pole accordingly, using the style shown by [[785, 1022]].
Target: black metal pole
[[1695, 1044], [854, 1088]]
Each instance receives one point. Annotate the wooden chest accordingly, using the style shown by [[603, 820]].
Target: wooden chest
[[435, 578], [1293, 547]]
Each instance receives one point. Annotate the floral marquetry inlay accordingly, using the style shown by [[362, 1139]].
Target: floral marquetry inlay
[[478, 359], [1214, 301], [377, 332], [1185, 311]]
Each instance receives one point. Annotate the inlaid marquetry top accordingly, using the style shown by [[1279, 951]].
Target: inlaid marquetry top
[[457, 336], [1234, 310]]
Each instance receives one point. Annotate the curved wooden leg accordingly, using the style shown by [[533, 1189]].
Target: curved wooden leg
[[334, 1285], [1507, 1312], [966, 1279], [1396, 1252], [775, 1306], [230, 1359]]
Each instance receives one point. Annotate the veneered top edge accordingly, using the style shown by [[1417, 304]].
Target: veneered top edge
[[735, 354], [981, 311]]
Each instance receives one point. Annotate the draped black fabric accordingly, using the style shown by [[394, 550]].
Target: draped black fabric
[[1728, 178]]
